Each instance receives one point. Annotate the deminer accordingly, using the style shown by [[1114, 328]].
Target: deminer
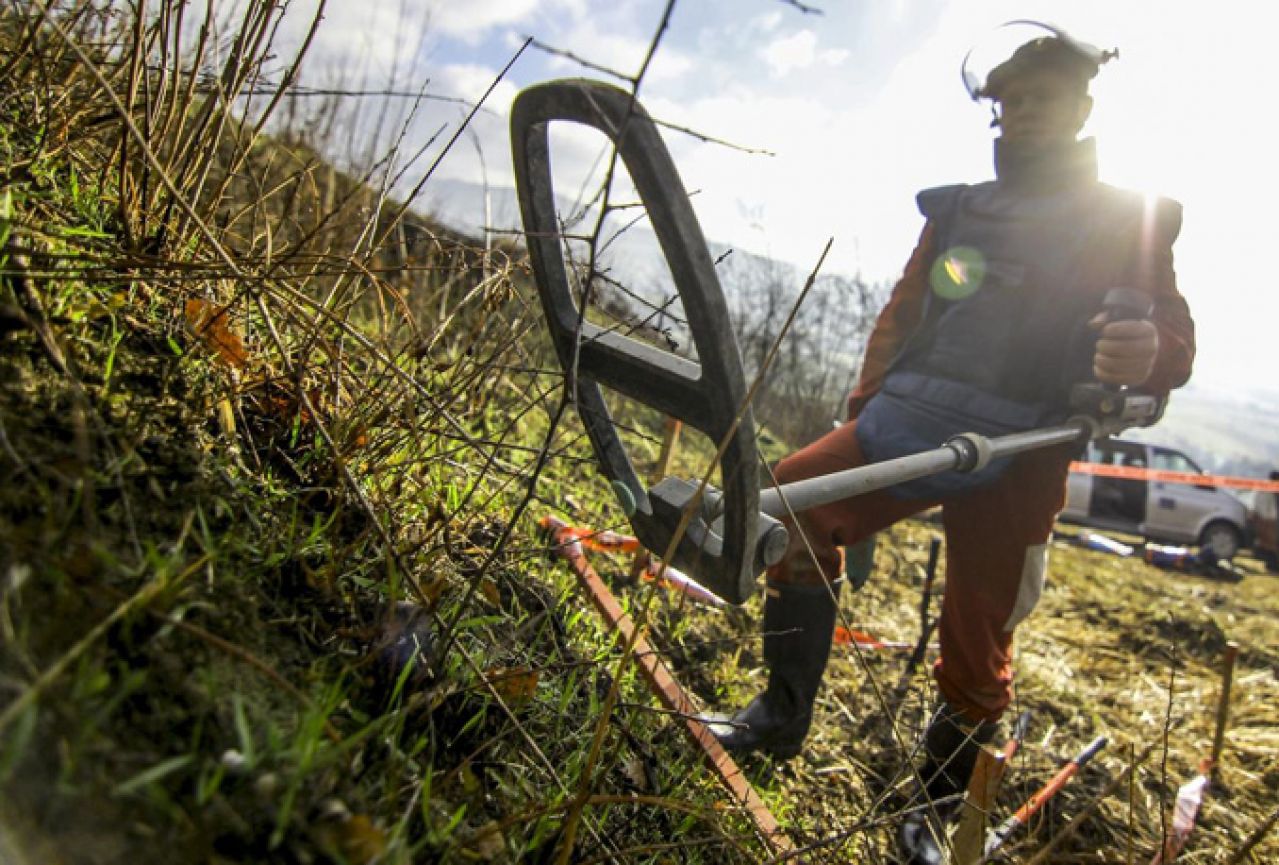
[[997, 315]]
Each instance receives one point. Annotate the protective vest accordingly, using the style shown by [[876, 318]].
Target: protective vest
[[1019, 270], [1017, 277]]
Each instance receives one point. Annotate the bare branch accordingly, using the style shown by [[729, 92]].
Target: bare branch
[[586, 64], [804, 7]]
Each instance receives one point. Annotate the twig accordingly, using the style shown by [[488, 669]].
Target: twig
[[520, 728], [710, 139], [466, 122], [803, 7], [666, 688], [926, 623], [859, 827], [1163, 762], [1254, 839], [1223, 703], [665, 124], [1132, 799], [580, 61], [532, 814]]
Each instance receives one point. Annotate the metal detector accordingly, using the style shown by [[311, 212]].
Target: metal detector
[[732, 534]]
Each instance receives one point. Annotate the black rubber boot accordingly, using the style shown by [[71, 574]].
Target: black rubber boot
[[799, 622], [951, 745]]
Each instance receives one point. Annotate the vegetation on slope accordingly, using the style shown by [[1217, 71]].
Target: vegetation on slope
[[271, 587]]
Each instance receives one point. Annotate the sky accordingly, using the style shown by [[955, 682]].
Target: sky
[[861, 106]]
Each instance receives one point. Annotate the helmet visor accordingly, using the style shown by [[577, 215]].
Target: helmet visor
[[1013, 45]]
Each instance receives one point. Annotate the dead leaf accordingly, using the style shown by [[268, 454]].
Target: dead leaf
[[212, 324], [515, 685], [356, 840], [488, 842], [431, 591], [361, 840], [488, 589], [635, 772], [226, 417]]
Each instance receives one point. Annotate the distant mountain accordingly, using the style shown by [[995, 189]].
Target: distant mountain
[[635, 268], [635, 255], [1224, 432]]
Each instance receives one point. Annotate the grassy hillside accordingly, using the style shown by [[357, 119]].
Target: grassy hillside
[[271, 583], [1223, 432]]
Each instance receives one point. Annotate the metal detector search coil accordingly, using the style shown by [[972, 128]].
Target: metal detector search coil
[[709, 395]]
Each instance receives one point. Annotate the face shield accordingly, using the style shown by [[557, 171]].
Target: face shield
[[1023, 42]]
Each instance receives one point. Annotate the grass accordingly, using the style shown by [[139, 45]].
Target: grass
[[271, 587]]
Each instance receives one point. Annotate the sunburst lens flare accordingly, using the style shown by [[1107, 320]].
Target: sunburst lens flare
[[958, 273]]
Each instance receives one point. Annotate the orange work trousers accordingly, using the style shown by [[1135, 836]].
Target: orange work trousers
[[996, 556]]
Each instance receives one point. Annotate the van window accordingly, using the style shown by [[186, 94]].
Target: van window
[[1172, 461], [1116, 453]]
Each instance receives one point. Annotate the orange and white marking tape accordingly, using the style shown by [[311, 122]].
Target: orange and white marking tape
[[665, 686], [604, 541], [1143, 474], [611, 542], [847, 636]]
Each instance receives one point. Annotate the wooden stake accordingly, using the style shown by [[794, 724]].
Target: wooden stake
[[1223, 703], [670, 441], [974, 815], [670, 693], [1254, 839]]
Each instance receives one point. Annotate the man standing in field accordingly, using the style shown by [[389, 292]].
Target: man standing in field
[[997, 316]]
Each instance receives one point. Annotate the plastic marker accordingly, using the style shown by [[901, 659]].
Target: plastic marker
[[998, 836]]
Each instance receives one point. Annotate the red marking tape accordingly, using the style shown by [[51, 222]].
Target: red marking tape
[[1143, 474]]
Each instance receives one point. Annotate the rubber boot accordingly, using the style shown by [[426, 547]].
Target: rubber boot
[[799, 622], [951, 745]]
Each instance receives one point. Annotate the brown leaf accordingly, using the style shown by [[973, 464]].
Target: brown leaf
[[356, 839], [431, 591], [212, 324], [488, 589], [515, 685], [488, 842], [633, 769], [361, 840]]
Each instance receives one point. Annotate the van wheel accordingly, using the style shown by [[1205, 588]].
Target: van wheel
[[1221, 538]]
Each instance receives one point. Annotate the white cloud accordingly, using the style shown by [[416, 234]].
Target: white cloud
[[621, 51], [799, 51], [470, 81], [471, 19], [768, 22], [796, 51]]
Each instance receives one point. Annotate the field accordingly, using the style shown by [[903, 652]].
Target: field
[[1116, 648]]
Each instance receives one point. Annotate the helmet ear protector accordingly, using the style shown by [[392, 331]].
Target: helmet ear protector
[[1018, 46]]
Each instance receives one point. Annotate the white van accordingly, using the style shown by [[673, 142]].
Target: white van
[[1158, 511]]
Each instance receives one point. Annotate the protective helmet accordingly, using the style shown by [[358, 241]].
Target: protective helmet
[[1017, 47]]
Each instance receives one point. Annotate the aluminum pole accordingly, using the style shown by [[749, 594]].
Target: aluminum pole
[[963, 453]]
